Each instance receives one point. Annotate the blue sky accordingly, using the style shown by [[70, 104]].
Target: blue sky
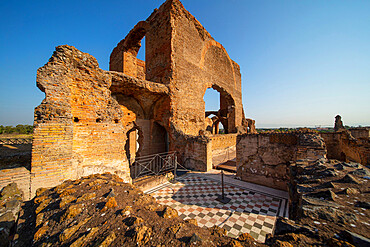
[[302, 62]]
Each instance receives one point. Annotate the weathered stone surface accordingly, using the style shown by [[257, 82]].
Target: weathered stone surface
[[43, 205], [284, 225], [175, 228], [39, 219], [169, 212], [4, 237], [72, 211], [108, 240], [132, 224], [67, 233], [11, 191], [7, 219], [332, 214], [85, 238], [234, 243], [216, 230], [40, 233], [264, 158], [86, 197], [65, 200], [81, 120], [279, 243], [361, 172], [351, 191], [142, 234], [342, 145]]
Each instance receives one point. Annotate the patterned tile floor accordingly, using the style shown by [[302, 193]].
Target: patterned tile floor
[[250, 210]]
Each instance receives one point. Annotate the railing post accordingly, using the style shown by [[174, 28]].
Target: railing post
[[222, 198], [175, 170]]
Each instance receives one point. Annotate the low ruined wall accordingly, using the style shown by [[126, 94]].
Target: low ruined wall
[[21, 176], [342, 146], [360, 132], [195, 153], [223, 141], [223, 148], [333, 146], [265, 158]]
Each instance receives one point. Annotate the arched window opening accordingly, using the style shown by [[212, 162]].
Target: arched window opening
[[141, 53], [219, 111], [212, 100], [221, 129]]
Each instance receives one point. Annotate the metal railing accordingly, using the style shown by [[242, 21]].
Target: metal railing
[[155, 164], [10, 141]]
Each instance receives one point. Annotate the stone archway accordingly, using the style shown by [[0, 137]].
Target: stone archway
[[226, 113]]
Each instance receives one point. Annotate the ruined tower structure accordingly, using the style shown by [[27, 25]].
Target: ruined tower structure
[[99, 121]]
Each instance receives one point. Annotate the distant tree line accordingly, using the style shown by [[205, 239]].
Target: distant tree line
[[19, 129]]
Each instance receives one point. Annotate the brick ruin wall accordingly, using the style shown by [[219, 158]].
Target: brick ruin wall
[[94, 121], [360, 132], [19, 175], [265, 158], [223, 148], [199, 62], [79, 128], [343, 146], [182, 56]]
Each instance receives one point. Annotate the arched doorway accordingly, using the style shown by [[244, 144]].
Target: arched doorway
[[159, 140], [220, 108]]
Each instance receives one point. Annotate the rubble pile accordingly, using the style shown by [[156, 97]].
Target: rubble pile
[[10, 204], [329, 205], [101, 210]]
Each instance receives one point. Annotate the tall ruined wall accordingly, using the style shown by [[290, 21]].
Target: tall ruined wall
[[79, 127], [199, 62], [343, 146], [265, 158], [180, 53]]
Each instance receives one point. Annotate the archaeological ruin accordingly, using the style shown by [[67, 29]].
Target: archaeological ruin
[[94, 121]]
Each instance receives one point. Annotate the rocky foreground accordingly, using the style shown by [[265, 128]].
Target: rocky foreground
[[329, 205], [101, 210]]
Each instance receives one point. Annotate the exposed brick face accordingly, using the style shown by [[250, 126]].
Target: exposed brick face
[[79, 127], [265, 158]]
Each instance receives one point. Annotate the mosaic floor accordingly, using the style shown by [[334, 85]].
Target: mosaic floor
[[249, 211]]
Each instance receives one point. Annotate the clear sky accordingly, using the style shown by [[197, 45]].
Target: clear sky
[[302, 62]]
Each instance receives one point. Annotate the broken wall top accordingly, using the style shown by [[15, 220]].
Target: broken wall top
[[180, 53]]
